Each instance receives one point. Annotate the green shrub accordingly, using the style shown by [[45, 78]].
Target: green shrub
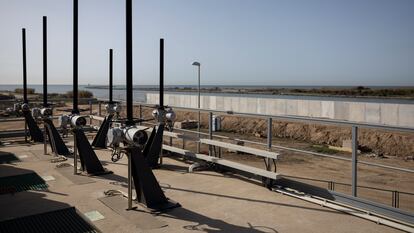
[[20, 90], [6, 97], [81, 94]]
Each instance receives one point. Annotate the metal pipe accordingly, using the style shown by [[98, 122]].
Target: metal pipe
[[210, 131], [24, 78], [140, 114], [110, 75], [129, 181], [161, 72], [129, 89], [129, 64], [75, 109], [354, 160], [25, 132], [75, 156], [24, 66], [269, 141], [45, 104], [45, 139], [199, 113], [304, 119], [309, 152], [90, 112]]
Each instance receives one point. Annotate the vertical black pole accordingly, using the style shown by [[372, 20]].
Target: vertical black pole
[[75, 109], [45, 104], [129, 61], [24, 66], [161, 72], [110, 74]]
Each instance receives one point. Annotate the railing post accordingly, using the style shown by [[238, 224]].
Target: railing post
[[99, 108], [90, 112], [354, 160], [395, 199], [269, 141], [198, 127], [140, 113], [210, 131]]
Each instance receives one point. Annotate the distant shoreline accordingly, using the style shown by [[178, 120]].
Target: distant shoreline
[[351, 92]]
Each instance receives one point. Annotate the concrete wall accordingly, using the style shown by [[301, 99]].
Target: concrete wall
[[394, 114]]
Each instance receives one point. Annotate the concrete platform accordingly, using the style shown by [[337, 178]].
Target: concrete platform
[[211, 202]]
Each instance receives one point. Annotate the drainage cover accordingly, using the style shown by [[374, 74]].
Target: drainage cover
[[65, 220], [19, 183]]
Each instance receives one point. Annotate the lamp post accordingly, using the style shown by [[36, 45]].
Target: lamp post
[[199, 118]]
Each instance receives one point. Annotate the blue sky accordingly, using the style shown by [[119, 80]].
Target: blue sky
[[237, 42]]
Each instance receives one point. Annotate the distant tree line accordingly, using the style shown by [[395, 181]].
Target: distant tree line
[[69, 94], [358, 91]]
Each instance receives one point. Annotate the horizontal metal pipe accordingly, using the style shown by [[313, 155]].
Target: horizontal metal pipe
[[294, 118], [302, 151]]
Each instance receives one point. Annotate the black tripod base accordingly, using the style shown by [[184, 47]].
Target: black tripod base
[[170, 204], [147, 188], [55, 140], [100, 138], [153, 147], [35, 133], [98, 173], [89, 161]]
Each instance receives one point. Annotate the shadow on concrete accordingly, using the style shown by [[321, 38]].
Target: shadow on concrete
[[8, 158], [207, 224], [25, 203], [252, 200]]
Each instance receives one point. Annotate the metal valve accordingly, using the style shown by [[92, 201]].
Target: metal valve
[[129, 136], [64, 121], [114, 137], [112, 108], [36, 113], [45, 112], [135, 137], [17, 107], [170, 115], [25, 107], [77, 121]]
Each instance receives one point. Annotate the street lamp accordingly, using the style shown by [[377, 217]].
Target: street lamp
[[199, 118]]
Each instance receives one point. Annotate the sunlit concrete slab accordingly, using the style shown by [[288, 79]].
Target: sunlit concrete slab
[[211, 202]]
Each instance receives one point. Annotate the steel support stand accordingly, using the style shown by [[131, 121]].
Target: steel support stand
[[210, 132], [90, 112], [269, 142], [130, 181], [25, 131], [45, 139], [75, 156], [354, 160], [198, 128]]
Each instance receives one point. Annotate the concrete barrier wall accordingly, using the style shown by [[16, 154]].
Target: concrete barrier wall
[[394, 114]]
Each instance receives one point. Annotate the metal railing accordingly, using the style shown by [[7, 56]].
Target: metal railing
[[395, 194]]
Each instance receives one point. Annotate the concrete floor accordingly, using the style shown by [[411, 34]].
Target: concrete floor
[[211, 202]]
